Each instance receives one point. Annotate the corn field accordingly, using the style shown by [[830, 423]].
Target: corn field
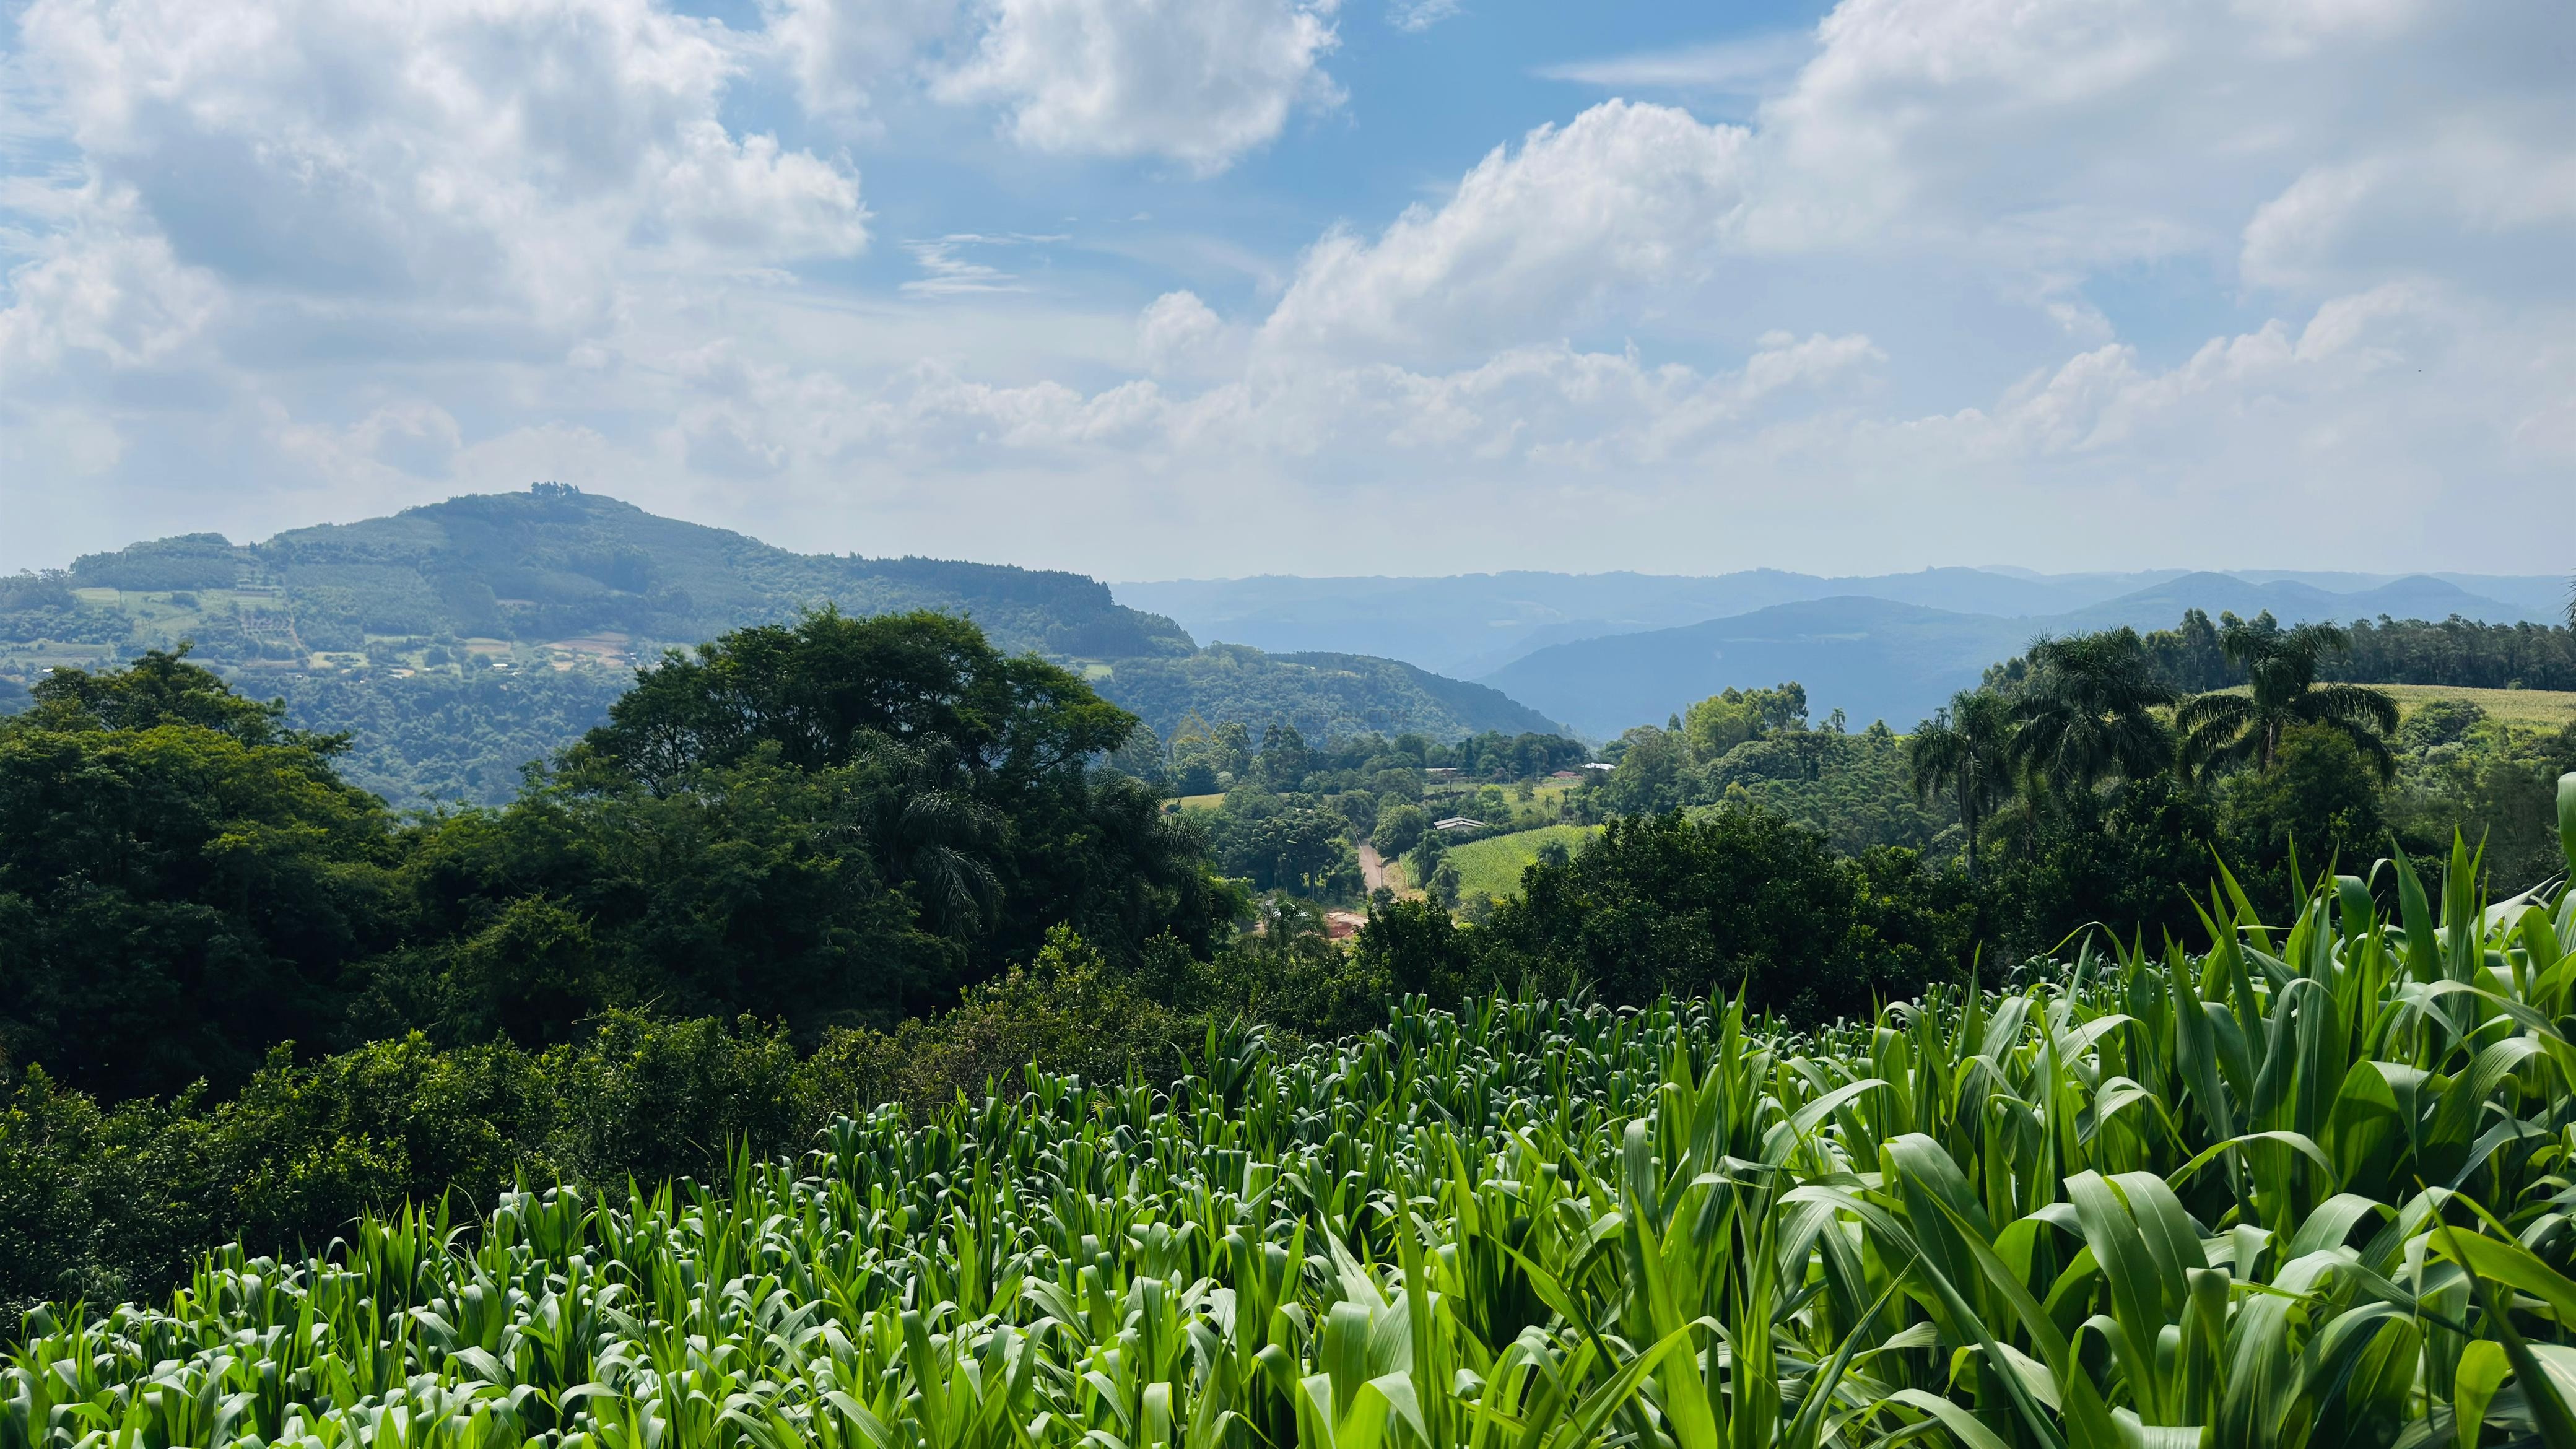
[[2311, 1187]]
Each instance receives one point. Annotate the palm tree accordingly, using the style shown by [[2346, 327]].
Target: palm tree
[[2087, 713], [926, 827], [1966, 751], [2224, 729]]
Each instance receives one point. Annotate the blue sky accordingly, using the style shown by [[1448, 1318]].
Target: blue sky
[[1147, 288]]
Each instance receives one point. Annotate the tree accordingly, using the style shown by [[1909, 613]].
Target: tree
[[183, 882], [1284, 758], [1736, 900], [2281, 667], [925, 701], [2318, 798], [163, 688], [2086, 712], [2190, 655], [1652, 775], [1966, 752], [1399, 828], [814, 688]]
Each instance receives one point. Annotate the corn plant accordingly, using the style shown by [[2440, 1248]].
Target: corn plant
[[2306, 1186]]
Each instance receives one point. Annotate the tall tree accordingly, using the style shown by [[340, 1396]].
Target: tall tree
[[2087, 712], [1965, 751], [2281, 666]]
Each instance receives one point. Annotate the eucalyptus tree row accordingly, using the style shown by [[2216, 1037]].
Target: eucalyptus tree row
[[2308, 1186]]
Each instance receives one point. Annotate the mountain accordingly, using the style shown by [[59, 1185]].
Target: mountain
[[2292, 601], [1883, 659], [569, 572], [1475, 625], [1870, 658], [456, 642], [1323, 695]]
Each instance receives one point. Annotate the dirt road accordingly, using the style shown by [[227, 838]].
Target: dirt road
[[1372, 869]]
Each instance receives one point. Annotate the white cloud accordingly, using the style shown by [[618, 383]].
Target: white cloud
[[1196, 81], [948, 271], [1177, 331], [842, 53], [1623, 195], [1750, 65], [103, 286], [470, 152], [1415, 16]]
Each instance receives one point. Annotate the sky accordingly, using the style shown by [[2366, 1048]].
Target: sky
[[1159, 288]]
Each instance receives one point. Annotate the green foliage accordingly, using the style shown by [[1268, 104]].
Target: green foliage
[[162, 688], [555, 575], [1857, 789], [2256, 1198], [179, 893], [2320, 796], [2498, 782], [1279, 845], [1966, 751], [1734, 900], [830, 824], [2282, 664], [453, 737], [1399, 828], [1723, 721], [2129, 858], [2087, 713], [1322, 696]]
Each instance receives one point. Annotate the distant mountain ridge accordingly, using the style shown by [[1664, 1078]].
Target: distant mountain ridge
[[1475, 625], [1885, 659]]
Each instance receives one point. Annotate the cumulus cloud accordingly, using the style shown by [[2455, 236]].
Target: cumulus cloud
[[2207, 266], [842, 54], [1197, 81], [1176, 331], [453, 150], [1623, 195]]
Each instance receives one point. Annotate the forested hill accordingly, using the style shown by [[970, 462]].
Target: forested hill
[[458, 641], [558, 566], [1326, 696]]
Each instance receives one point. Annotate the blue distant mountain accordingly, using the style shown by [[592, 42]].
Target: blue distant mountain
[[1877, 658], [1476, 625]]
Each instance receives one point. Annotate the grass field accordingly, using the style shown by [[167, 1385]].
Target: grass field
[[2547, 708], [1493, 865]]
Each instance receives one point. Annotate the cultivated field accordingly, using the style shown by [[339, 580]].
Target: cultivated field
[[2306, 1190]]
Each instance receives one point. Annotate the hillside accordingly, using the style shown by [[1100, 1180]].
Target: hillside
[[458, 641], [1326, 696], [568, 572]]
